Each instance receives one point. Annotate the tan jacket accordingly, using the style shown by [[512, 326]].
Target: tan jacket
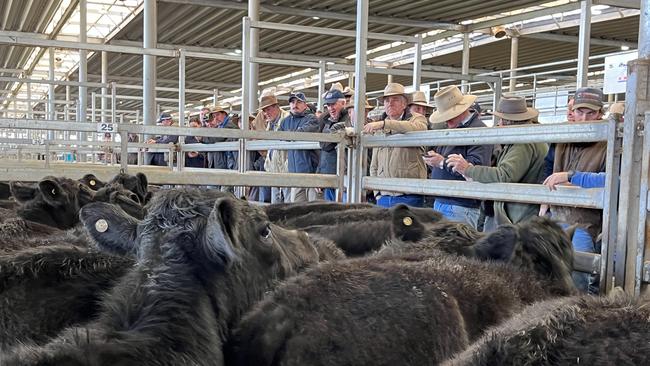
[[400, 162], [276, 160]]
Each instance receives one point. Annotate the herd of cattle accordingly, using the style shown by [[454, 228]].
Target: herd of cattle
[[117, 273]]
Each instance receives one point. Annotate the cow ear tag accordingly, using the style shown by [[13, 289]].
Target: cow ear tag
[[92, 182], [407, 221], [53, 192], [101, 225]]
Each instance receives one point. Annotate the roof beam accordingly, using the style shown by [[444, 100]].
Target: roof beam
[[285, 10], [574, 39], [524, 16], [630, 4]]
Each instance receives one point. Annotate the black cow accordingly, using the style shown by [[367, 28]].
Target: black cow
[[280, 212], [92, 182], [5, 191], [410, 309], [137, 184], [584, 330], [363, 230], [47, 288], [203, 259]]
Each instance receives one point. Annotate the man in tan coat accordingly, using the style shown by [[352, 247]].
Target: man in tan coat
[[397, 162], [276, 160]]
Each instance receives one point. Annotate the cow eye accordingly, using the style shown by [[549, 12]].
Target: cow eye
[[265, 231]]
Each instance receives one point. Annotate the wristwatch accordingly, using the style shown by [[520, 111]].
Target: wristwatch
[[570, 175]]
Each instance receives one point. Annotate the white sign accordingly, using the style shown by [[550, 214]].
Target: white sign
[[104, 127], [616, 72]]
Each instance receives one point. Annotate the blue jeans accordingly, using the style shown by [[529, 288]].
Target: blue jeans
[[458, 213], [413, 200], [582, 242], [330, 194]]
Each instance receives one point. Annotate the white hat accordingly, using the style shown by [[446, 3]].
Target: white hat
[[450, 103]]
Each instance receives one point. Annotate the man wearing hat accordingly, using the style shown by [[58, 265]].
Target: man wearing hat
[[301, 119], [276, 160], [336, 115], [349, 93], [397, 162], [516, 163], [161, 158], [419, 104], [218, 118], [455, 110], [583, 157]]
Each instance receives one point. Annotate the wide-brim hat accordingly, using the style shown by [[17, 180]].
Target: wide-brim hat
[[419, 98], [217, 109], [393, 89], [450, 103], [515, 109], [348, 92], [351, 105], [267, 101]]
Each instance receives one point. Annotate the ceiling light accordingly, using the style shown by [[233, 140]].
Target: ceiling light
[[237, 51], [315, 18], [625, 48], [498, 31]]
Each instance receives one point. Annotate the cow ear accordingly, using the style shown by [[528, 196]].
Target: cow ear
[[52, 191], [23, 192], [91, 181], [111, 228], [498, 245], [143, 183], [219, 239], [406, 226]]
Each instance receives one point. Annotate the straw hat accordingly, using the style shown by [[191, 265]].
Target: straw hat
[[451, 103], [348, 92], [394, 89], [514, 108], [217, 109], [418, 98], [618, 107], [336, 86], [351, 105], [267, 101]]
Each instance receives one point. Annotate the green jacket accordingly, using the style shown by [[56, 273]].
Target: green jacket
[[519, 163]]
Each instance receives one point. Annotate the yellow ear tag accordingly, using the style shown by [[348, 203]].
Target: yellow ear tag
[[92, 182], [101, 225], [407, 221]]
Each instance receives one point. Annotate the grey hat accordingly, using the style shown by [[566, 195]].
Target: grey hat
[[591, 98]]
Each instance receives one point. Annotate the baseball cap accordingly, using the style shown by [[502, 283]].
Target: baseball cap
[[164, 116], [591, 98], [333, 96], [300, 96]]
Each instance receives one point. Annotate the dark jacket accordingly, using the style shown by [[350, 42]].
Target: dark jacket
[[197, 161], [222, 159], [301, 161], [474, 154], [158, 158], [327, 164]]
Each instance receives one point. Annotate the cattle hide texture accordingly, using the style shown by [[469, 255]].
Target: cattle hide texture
[[203, 258], [581, 330], [280, 212], [5, 191], [407, 309]]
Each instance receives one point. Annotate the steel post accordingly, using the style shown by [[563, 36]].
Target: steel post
[[29, 100], [417, 63], [321, 84], [181, 88], [245, 96], [355, 189], [104, 78], [498, 86], [83, 64], [514, 56], [50, 94], [253, 84], [583, 43], [465, 61], [113, 103], [149, 66]]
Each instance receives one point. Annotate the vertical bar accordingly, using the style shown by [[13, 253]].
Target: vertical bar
[[50, 95], [93, 107], [124, 150], [245, 94], [215, 97], [29, 100], [253, 15], [181, 87], [514, 56], [643, 208], [389, 78], [583, 43], [113, 102], [102, 112], [465, 61], [340, 171], [83, 63], [534, 86], [321, 83], [350, 79], [498, 86], [417, 63], [149, 65], [354, 193]]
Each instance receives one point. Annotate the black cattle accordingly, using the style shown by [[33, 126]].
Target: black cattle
[[53, 201], [203, 259], [5, 191], [47, 288], [410, 309], [280, 212], [361, 231], [92, 182], [326, 248], [116, 194], [584, 330], [137, 184]]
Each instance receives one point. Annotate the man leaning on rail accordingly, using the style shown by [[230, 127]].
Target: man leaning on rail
[[397, 162]]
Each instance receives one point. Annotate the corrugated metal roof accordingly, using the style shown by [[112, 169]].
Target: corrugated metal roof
[[221, 28]]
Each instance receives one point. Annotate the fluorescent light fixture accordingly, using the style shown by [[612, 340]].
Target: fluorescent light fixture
[[625, 48], [315, 18]]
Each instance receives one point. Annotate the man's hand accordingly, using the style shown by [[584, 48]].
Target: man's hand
[[543, 209], [338, 126], [458, 163], [433, 159], [373, 126], [151, 141], [556, 178]]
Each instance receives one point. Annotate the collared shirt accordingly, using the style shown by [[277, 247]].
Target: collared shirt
[[466, 120], [224, 122]]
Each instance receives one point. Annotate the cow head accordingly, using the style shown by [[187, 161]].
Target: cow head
[[413, 224], [135, 183], [52, 201], [92, 182], [538, 244], [118, 195], [210, 231]]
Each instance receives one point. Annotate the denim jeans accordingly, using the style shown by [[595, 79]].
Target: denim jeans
[[582, 242], [413, 200], [280, 194], [458, 213], [329, 194]]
